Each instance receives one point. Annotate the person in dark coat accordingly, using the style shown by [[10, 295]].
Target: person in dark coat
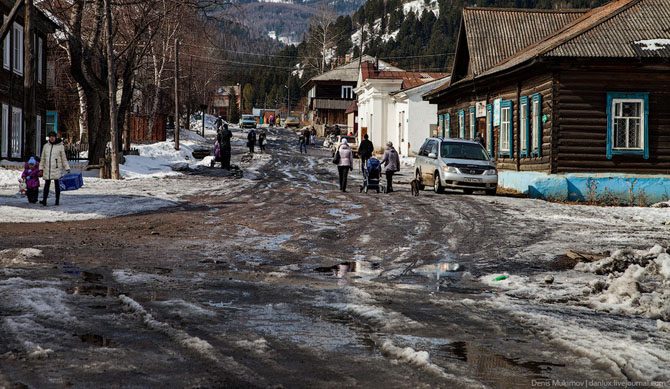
[[480, 139], [307, 134], [224, 146], [251, 140], [261, 140], [365, 150], [392, 161]]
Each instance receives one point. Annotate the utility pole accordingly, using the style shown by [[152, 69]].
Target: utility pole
[[30, 146], [111, 81], [177, 127]]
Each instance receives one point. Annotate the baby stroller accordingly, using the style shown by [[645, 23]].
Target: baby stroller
[[371, 176]]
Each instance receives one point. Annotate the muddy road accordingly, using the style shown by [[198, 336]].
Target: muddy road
[[290, 283]]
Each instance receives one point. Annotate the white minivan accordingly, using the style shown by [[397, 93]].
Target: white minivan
[[456, 164]]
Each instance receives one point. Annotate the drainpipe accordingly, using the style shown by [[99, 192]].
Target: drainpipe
[[517, 121]]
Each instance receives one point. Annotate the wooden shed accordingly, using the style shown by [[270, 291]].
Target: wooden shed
[[564, 91]]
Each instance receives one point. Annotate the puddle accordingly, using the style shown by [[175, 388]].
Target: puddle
[[340, 270], [97, 340], [91, 277], [94, 290], [494, 368], [70, 268]]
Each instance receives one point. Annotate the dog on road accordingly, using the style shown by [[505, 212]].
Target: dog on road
[[415, 184]]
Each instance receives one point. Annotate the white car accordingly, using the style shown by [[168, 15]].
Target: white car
[[456, 164]]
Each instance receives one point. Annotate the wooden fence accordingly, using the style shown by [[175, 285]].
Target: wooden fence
[[139, 129]]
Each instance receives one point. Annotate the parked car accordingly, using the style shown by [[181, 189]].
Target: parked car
[[456, 164], [248, 121], [292, 121], [353, 143]]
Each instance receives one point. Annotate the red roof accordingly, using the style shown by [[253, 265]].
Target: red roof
[[409, 79]]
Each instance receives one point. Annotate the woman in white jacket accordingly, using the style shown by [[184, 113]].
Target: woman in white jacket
[[53, 162], [346, 163]]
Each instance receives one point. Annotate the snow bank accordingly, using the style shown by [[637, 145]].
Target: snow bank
[[19, 257], [196, 124], [638, 283]]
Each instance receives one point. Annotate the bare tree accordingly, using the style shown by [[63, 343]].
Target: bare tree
[[321, 39]]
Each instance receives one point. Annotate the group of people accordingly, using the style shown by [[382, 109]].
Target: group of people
[[53, 163], [222, 147], [306, 137], [344, 159], [252, 138]]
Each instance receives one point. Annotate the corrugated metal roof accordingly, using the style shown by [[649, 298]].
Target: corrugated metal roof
[[623, 36], [494, 34]]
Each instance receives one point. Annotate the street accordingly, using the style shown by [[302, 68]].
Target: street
[[280, 280]]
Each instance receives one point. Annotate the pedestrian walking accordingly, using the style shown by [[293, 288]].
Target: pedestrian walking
[[480, 139], [54, 161], [224, 145], [218, 123], [303, 143], [261, 140], [392, 162], [365, 151], [31, 177], [251, 140], [308, 135], [344, 159], [313, 136]]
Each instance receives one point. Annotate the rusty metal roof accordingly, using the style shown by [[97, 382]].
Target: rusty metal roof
[[494, 34], [627, 35], [620, 29]]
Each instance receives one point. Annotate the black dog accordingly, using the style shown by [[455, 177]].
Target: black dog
[[415, 185]]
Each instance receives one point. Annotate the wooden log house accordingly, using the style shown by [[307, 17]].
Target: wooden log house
[[564, 91], [15, 142]]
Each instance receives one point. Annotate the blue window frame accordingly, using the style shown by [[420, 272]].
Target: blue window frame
[[472, 121], [489, 129], [627, 124], [461, 124], [506, 137], [524, 128], [536, 125]]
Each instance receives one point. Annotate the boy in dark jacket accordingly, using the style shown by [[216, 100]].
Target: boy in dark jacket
[[365, 150], [31, 175]]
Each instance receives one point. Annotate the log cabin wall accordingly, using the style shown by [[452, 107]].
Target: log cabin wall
[[581, 110], [509, 89]]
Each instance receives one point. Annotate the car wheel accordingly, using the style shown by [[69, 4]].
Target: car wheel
[[491, 192], [417, 175], [467, 191], [437, 185]]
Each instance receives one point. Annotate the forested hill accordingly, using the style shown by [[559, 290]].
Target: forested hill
[[421, 34], [416, 35]]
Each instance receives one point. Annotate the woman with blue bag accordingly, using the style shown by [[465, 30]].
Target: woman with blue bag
[[54, 162]]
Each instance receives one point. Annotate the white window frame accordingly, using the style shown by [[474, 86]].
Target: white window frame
[[535, 124], [4, 147], [17, 132], [505, 121], [347, 92], [7, 49], [40, 60], [614, 117], [17, 51], [38, 133], [473, 122], [523, 122]]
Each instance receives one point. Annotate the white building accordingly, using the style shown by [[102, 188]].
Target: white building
[[413, 117], [387, 98]]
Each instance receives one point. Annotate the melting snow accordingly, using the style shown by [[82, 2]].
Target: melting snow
[[653, 44]]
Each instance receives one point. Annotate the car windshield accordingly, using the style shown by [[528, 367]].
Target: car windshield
[[460, 150], [247, 117]]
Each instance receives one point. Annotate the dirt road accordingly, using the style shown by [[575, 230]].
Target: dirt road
[[292, 283]]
